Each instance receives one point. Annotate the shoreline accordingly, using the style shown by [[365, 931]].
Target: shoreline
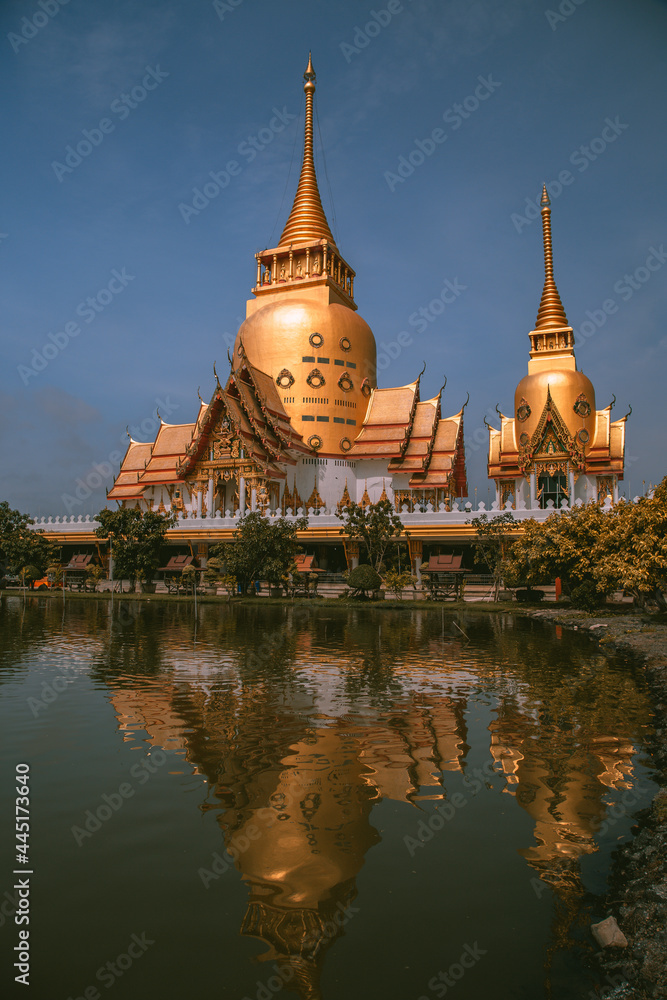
[[637, 883]]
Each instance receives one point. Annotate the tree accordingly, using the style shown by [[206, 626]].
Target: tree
[[566, 545], [396, 582], [20, 546], [375, 525], [137, 538], [263, 549], [362, 579], [493, 543], [631, 554]]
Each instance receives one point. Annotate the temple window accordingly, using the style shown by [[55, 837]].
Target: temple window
[[551, 488]]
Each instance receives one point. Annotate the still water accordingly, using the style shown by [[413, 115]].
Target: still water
[[337, 803]]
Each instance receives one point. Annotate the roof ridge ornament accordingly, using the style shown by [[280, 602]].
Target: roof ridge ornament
[[307, 220]]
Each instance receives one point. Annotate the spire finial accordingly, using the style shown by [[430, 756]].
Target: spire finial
[[307, 220], [551, 312]]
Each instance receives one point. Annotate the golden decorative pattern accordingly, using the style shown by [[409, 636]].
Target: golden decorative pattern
[[316, 339], [523, 410], [345, 444], [316, 379], [345, 500], [315, 441], [315, 500], [285, 379], [345, 344], [582, 406], [345, 382]]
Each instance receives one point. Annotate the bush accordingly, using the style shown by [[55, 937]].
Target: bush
[[586, 596], [396, 582], [213, 571], [95, 574], [362, 579]]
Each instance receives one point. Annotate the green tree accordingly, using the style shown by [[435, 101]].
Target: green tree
[[396, 582], [137, 538], [631, 554], [20, 546], [493, 542], [362, 579], [375, 525], [569, 545], [262, 549]]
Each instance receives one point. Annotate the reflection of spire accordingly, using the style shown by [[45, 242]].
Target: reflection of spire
[[551, 312], [307, 220]]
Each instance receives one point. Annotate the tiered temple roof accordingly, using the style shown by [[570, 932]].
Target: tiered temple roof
[[388, 423]]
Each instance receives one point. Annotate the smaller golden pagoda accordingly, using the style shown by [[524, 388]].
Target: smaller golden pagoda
[[557, 448]]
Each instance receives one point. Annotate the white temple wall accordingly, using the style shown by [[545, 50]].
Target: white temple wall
[[332, 474]]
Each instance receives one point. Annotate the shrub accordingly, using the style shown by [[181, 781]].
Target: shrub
[[396, 582], [362, 579]]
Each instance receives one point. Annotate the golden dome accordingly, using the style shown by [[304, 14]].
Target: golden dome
[[318, 353], [569, 389]]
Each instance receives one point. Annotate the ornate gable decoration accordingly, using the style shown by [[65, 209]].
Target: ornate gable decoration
[[225, 442], [551, 447]]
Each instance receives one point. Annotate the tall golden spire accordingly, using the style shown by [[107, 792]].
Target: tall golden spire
[[307, 221], [551, 312]]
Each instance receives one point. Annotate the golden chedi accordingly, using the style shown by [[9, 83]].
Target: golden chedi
[[557, 448], [302, 327], [552, 366]]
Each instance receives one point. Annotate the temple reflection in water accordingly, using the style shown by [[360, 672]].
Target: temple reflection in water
[[301, 735]]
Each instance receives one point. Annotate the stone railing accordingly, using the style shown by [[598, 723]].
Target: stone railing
[[459, 515]]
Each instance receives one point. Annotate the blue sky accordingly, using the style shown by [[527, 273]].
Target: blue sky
[[158, 95]]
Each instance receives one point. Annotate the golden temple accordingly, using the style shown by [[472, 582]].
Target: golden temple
[[557, 446], [301, 415], [301, 398]]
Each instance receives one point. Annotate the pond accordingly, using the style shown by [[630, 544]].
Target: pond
[[313, 801]]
